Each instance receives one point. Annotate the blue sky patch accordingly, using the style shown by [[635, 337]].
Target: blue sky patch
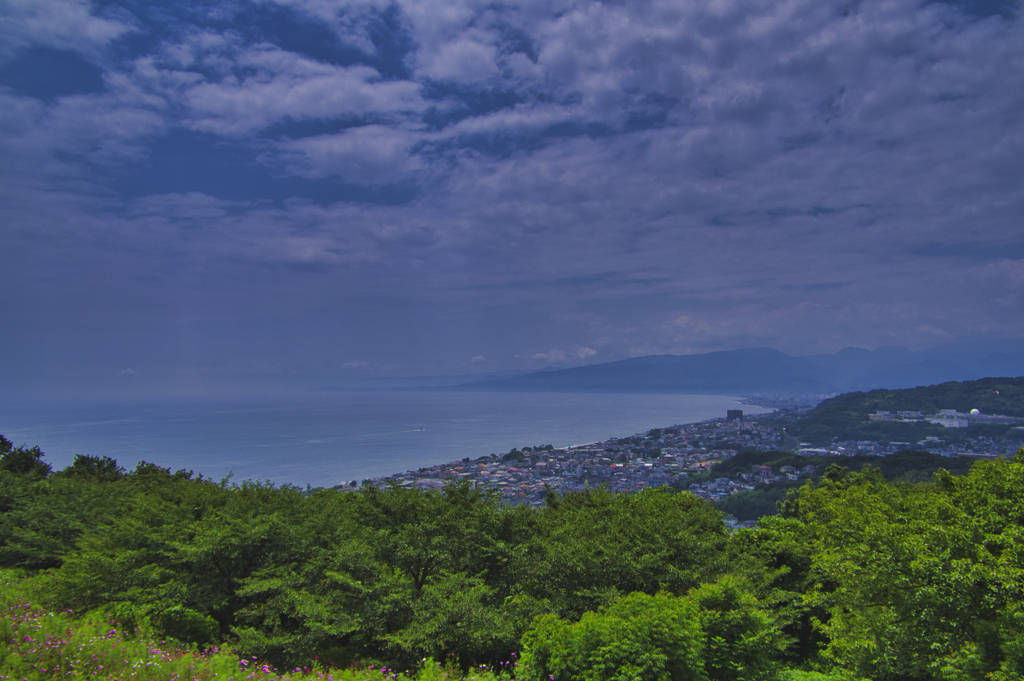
[[184, 161], [46, 73]]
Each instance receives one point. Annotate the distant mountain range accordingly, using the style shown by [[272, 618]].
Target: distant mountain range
[[764, 371]]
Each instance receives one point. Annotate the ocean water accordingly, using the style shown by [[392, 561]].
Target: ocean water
[[324, 439]]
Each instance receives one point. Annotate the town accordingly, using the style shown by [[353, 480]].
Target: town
[[662, 456]]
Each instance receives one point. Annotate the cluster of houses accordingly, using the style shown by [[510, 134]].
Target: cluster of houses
[[663, 456], [758, 475]]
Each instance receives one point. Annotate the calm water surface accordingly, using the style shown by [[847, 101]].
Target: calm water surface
[[325, 439]]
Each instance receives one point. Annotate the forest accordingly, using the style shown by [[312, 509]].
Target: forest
[[856, 577]]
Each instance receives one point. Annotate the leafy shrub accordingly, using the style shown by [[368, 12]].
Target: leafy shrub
[[637, 637]]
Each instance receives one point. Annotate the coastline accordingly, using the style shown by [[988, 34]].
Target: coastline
[[323, 439], [656, 457]]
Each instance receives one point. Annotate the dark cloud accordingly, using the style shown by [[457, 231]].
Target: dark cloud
[[982, 9], [301, 187]]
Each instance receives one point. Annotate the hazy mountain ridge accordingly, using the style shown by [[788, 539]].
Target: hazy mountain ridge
[[765, 370]]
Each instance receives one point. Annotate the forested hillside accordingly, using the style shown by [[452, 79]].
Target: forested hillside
[[859, 578], [846, 417]]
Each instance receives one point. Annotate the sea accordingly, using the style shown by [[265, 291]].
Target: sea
[[327, 438]]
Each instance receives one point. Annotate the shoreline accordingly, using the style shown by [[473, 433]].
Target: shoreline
[[659, 456], [321, 440]]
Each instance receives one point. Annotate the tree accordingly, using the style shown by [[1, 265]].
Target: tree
[[95, 467], [22, 461], [438, 568], [742, 640], [592, 546]]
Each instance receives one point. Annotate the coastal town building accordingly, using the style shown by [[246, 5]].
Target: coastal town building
[[949, 418]]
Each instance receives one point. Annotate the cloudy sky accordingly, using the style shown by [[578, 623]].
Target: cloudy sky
[[207, 190]]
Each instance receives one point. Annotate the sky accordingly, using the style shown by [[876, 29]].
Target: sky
[[197, 192]]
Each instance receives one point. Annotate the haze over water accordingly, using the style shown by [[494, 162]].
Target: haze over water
[[324, 439]]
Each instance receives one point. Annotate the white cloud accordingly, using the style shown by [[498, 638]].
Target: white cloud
[[279, 85], [365, 155], [560, 356], [60, 24], [71, 137], [554, 355], [470, 58]]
